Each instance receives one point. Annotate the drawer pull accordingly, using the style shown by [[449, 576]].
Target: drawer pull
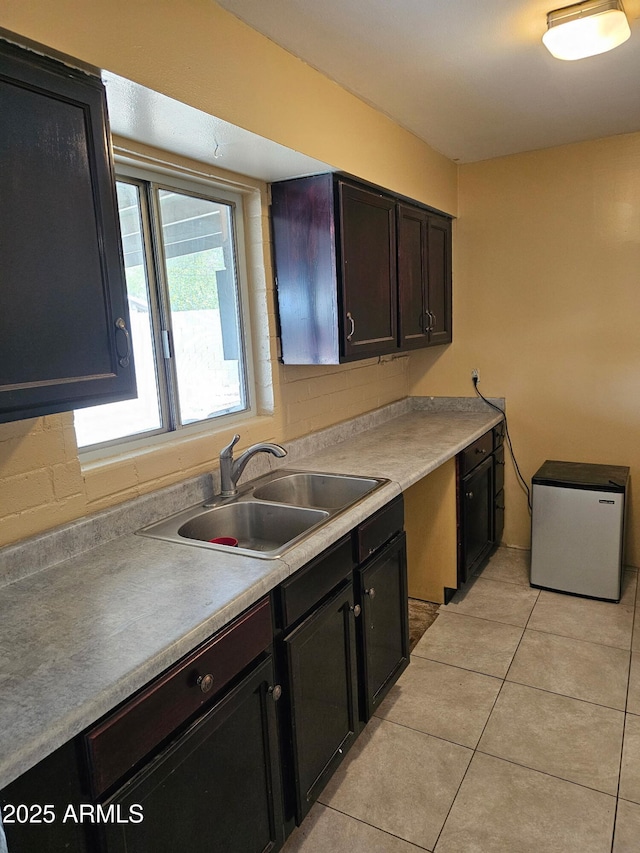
[[276, 692], [356, 610], [205, 682], [481, 450], [371, 592], [469, 495]]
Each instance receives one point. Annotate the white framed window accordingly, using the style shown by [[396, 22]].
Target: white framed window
[[183, 248]]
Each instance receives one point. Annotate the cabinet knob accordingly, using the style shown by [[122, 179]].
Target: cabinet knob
[[356, 609], [205, 682], [353, 325], [469, 495], [371, 592], [276, 692]]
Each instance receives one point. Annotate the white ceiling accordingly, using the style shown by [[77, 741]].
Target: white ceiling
[[470, 77]]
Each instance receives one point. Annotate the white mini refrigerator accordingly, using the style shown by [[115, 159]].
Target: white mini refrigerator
[[577, 528]]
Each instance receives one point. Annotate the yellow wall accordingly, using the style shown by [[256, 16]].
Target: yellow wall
[[194, 51], [546, 299], [200, 54]]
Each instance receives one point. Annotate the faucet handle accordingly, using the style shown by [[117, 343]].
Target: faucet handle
[[227, 451]]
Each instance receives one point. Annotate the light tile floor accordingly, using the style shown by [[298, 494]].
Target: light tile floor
[[516, 729]]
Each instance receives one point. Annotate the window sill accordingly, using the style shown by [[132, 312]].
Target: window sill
[[156, 461]]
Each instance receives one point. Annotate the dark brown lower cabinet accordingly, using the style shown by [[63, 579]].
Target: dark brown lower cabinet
[[383, 625], [343, 643], [30, 802], [320, 657], [480, 486], [216, 789], [230, 747], [476, 499]]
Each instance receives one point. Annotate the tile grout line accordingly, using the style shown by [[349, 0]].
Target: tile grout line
[[475, 749], [373, 826], [624, 728]]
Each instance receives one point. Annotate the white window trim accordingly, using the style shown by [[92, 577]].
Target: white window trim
[[234, 191]]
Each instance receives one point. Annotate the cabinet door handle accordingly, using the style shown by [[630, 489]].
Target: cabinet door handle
[[434, 320], [121, 326], [353, 325], [205, 682], [356, 609], [371, 592], [430, 316], [276, 692]]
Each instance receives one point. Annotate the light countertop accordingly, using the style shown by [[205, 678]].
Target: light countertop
[[79, 637]]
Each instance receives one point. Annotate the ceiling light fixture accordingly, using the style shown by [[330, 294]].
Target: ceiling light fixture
[[586, 29]]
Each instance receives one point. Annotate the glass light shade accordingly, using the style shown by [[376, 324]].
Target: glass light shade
[[587, 36]]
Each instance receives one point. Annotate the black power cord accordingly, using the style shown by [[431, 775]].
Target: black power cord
[[521, 479]]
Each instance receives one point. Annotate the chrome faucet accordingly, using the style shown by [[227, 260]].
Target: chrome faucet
[[230, 470]]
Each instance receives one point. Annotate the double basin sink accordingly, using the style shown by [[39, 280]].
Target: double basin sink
[[269, 515]]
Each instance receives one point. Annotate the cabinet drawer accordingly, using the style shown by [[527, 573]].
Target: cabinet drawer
[[310, 584], [476, 452], [380, 528], [116, 744]]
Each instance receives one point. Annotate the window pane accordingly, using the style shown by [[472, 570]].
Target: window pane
[[198, 247], [130, 417]]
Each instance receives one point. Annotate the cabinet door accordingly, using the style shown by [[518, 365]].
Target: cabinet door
[[322, 686], [369, 290], [45, 792], [64, 339], [304, 245], [383, 627], [476, 511], [216, 789], [414, 321], [439, 279]]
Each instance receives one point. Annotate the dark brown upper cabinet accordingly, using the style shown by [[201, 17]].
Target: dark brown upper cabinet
[[64, 322], [424, 277], [369, 289], [356, 274]]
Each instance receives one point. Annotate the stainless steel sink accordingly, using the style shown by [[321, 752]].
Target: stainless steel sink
[[269, 515], [256, 526], [330, 491]]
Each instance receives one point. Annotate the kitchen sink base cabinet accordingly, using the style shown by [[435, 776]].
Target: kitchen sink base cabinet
[[229, 748]]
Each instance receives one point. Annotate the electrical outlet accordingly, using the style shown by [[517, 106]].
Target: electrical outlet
[[475, 375]]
